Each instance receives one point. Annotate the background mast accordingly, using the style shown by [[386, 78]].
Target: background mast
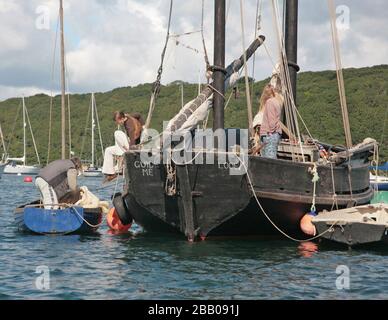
[[63, 82]]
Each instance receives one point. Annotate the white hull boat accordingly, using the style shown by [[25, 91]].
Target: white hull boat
[[19, 166], [2, 167], [354, 226], [93, 173], [21, 170], [379, 182]]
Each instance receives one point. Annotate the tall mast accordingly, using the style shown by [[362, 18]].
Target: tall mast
[[182, 96], [63, 82], [3, 143], [93, 125], [24, 132], [291, 41], [219, 64]]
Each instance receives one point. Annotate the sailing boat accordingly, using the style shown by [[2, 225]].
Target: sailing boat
[[19, 166], [271, 196], [34, 217], [3, 163], [2, 167], [93, 171]]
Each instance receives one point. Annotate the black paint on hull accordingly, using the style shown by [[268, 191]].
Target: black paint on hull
[[220, 204]]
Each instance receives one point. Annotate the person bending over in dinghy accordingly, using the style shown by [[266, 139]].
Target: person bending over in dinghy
[[57, 183], [133, 125]]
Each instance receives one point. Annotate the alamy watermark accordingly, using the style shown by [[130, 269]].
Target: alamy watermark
[[43, 19], [343, 17], [343, 280], [226, 148], [42, 281]]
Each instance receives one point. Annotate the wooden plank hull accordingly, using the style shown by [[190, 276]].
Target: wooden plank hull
[[224, 205]]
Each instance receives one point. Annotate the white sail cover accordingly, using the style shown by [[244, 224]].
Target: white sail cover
[[195, 118]]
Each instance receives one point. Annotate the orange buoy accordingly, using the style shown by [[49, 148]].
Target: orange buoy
[[307, 226], [28, 180], [114, 222]]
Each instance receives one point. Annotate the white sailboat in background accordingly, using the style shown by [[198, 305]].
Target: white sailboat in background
[[3, 163], [93, 170], [19, 166]]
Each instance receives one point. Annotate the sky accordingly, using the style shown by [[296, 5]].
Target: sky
[[117, 43]]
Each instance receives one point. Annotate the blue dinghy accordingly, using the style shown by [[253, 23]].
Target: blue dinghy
[[76, 220]]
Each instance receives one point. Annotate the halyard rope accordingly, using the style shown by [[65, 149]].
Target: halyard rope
[[246, 76], [156, 89], [340, 76]]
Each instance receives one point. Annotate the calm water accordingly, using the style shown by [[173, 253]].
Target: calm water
[[142, 266]]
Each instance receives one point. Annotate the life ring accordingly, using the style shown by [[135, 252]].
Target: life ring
[[122, 210], [114, 222], [307, 225]]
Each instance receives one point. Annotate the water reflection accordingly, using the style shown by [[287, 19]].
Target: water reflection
[[138, 265], [307, 249]]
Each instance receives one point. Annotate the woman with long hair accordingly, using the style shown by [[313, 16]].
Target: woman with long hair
[[270, 127]]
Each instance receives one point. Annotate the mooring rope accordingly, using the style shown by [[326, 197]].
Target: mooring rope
[[270, 220]]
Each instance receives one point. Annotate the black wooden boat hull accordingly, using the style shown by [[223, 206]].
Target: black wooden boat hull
[[211, 202]]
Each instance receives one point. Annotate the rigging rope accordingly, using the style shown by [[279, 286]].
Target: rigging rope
[[203, 37], [340, 76], [69, 123], [3, 143], [157, 84], [257, 29], [247, 86], [10, 139], [297, 111], [99, 128], [177, 35], [52, 93], [32, 135], [180, 43], [289, 101], [85, 132], [68, 109]]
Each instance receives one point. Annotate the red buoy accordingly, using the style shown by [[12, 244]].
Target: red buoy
[[28, 180], [114, 222]]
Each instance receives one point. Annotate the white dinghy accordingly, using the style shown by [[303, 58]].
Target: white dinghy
[[354, 226]]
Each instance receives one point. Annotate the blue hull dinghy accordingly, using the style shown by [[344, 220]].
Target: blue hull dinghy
[[35, 219]]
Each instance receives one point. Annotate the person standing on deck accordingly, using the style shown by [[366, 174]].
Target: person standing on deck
[[270, 129], [133, 125], [57, 180]]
